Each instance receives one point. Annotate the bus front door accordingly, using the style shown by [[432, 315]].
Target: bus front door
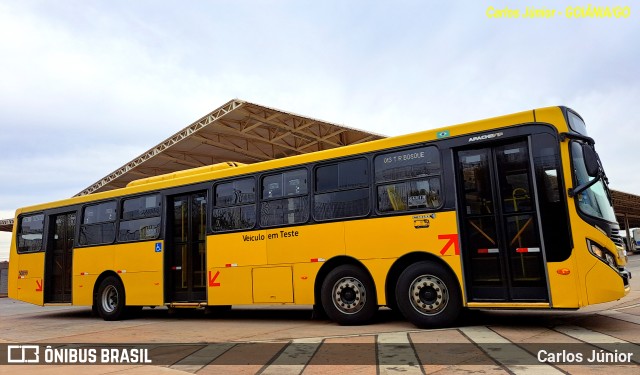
[[58, 258], [186, 248], [501, 249]]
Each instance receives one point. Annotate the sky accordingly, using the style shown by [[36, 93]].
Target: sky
[[87, 85]]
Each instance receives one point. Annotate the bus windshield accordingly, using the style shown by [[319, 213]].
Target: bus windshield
[[594, 201]]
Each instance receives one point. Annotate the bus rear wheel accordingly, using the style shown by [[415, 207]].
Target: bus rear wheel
[[428, 295], [348, 295], [110, 300]]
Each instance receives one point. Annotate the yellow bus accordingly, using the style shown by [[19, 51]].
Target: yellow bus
[[511, 212]]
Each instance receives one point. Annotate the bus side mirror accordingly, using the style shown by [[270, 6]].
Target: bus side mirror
[[591, 161]]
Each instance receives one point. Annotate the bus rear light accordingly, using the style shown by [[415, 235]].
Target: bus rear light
[[563, 271]]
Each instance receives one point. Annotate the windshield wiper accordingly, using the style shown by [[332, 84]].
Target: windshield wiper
[[605, 182]]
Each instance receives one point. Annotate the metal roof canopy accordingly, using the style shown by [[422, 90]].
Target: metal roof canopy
[[627, 207], [246, 132], [6, 225], [237, 131]]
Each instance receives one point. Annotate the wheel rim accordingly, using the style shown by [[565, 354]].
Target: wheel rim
[[110, 299], [349, 295], [428, 295]]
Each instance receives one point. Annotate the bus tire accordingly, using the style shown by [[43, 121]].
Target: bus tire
[[428, 295], [348, 296], [110, 300]]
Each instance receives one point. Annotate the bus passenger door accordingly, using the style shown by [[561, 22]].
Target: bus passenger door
[[185, 254], [501, 248], [58, 258]]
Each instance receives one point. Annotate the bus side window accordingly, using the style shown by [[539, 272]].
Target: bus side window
[[408, 179], [98, 224], [234, 205], [140, 218], [30, 233], [284, 198], [342, 190]]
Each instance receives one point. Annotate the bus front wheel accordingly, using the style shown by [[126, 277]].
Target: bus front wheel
[[428, 296], [110, 300], [348, 295]]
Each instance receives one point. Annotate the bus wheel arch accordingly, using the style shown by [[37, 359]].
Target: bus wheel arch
[[347, 278], [444, 274], [109, 298]]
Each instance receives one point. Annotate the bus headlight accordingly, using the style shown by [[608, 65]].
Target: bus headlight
[[622, 253], [601, 253]]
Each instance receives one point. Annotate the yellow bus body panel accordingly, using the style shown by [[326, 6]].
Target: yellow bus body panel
[[564, 288], [304, 278], [304, 243], [143, 288], [88, 264], [392, 237], [553, 116], [233, 258], [602, 285], [30, 286], [230, 286], [272, 285], [379, 268], [237, 277], [239, 248], [137, 256], [140, 267]]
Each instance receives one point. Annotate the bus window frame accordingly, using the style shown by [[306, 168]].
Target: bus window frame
[[368, 186], [116, 222], [19, 233], [376, 184], [161, 215], [214, 200], [261, 199]]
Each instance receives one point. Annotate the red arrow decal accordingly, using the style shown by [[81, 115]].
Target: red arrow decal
[[453, 240], [212, 282], [39, 285]]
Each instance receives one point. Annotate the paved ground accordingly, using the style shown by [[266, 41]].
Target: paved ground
[[278, 340]]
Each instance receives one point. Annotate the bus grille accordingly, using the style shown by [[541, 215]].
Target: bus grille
[[615, 237]]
